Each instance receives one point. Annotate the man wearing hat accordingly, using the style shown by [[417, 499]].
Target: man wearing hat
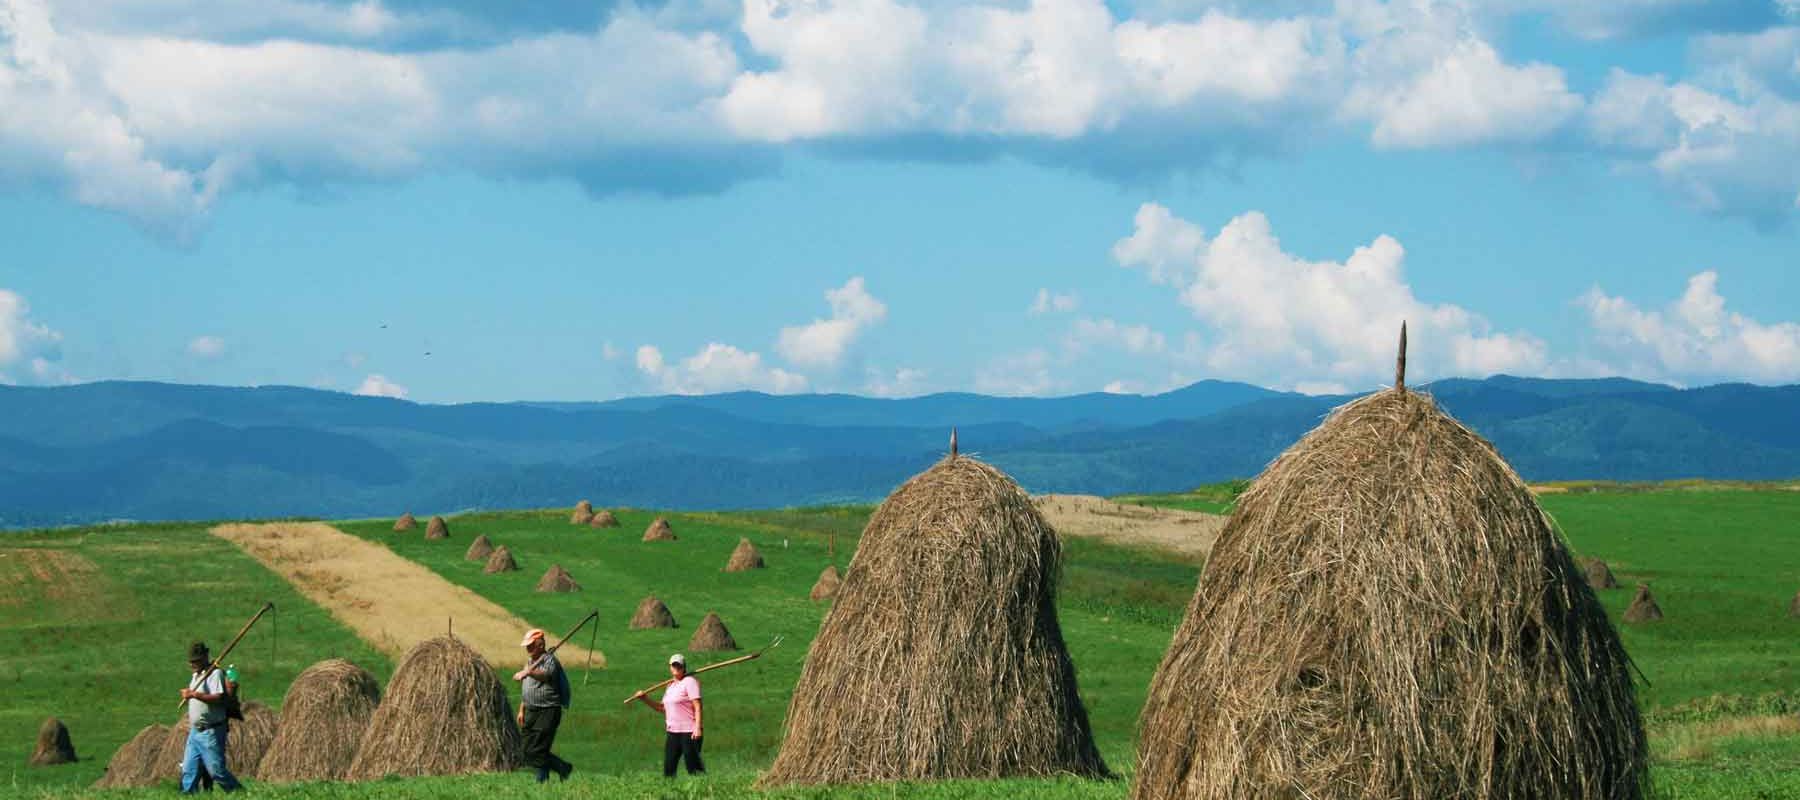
[[543, 694], [207, 724]]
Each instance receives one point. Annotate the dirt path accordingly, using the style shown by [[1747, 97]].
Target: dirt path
[[391, 602], [1190, 533]]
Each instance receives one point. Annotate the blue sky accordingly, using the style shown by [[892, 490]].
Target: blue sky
[[594, 200]]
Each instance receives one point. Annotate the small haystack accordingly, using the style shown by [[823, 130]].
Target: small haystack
[[557, 579], [651, 613], [445, 713], [1390, 614], [134, 763], [480, 549], [744, 558], [659, 531], [500, 560], [53, 745], [827, 585], [1599, 575], [1643, 607], [584, 513], [405, 522], [941, 656], [711, 636], [245, 744], [1794, 606], [603, 519], [323, 718], [437, 529]]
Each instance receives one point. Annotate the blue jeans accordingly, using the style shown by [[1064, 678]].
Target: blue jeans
[[208, 747]]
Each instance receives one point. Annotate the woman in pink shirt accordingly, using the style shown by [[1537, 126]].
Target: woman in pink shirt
[[681, 718]]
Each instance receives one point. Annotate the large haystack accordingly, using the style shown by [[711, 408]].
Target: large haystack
[[744, 558], [1643, 607], [445, 713], [246, 742], [942, 656], [651, 613], [134, 763], [480, 549], [437, 529], [826, 587], [323, 718], [53, 746], [501, 560], [1389, 614], [1599, 575], [557, 579], [711, 636], [603, 519], [584, 513], [405, 522], [659, 531]]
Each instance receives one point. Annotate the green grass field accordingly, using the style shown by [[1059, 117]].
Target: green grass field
[[105, 652]]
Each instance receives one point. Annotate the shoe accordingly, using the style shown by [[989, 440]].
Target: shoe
[[566, 769]]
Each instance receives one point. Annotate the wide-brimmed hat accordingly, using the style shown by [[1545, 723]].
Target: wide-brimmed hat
[[197, 652]]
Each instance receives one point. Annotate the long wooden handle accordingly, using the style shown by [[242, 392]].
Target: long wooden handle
[[709, 667], [214, 666], [592, 615]]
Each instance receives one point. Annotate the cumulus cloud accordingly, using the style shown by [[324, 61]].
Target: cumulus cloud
[[1047, 302], [377, 385], [1694, 339], [716, 368], [206, 347], [30, 352], [1021, 374], [1280, 320], [823, 342], [902, 382]]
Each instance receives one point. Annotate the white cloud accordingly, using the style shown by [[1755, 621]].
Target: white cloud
[[902, 382], [1694, 339], [823, 342], [1281, 320], [30, 351], [1120, 387], [206, 347], [376, 385], [1134, 339], [1047, 302], [717, 368], [1023, 374]]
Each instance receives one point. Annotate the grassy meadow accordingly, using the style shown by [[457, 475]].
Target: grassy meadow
[[104, 651]]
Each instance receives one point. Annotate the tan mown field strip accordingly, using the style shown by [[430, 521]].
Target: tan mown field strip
[[391, 602], [1189, 533]]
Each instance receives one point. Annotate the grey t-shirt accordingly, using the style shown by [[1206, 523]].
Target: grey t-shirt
[[207, 714], [545, 693]]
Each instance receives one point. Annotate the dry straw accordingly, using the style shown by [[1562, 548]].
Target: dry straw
[[1390, 614], [445, 713], [711, 636], [323, 718], [826, 587], [651, 613], [1643, 606], [501, 560], [437, 529], [134, 763], [405, 522], [1599, 575], [659, 531], [480, 549], [603, 519], [942, 656], [584, 513], [557, 579], [53, 746], [744, 558]]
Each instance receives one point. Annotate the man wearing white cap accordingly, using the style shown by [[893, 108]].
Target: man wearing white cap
[[543, 694], [681, 719]]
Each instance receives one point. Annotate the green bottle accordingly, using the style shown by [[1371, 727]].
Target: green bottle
[[231, 673]]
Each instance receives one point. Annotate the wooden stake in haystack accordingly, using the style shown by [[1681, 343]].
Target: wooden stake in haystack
[[710, 667]]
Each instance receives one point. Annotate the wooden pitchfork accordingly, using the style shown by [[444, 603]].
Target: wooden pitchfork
[[214, 666], [739, 660]]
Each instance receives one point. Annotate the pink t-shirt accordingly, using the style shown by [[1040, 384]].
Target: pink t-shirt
[[678, 705]]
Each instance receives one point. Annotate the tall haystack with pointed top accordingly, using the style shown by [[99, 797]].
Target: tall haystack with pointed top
[[1643, 606], [480, 549], [557, 579], [603, 519], [942, 656], [659, 531], [651, 613], [711, 636], [1599, 575], [134, 763], [501, 560], [1390, 614], [405, 522], [53, 746], [744, 558], [437, 528], [584, 513], [445, 713], [323, 719], [826, 587]]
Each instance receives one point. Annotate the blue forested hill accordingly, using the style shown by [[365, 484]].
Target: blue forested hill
[[160, 451]]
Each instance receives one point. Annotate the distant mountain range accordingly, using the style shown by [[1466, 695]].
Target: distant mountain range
[[163, 451]]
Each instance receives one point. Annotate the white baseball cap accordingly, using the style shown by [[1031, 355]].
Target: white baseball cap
[[677, 659]]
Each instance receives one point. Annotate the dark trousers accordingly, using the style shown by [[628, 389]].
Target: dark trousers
[[539, 732], [681, 747]]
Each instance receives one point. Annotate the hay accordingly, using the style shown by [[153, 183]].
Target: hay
[[603, 519], [1390, 614], [500, 560], [942, 656], [557, 579], [134, 763], [405, 522], [827, 585], [1599, 575], [480, 549], [744, 558], [53, 746], [659, 531], [651, 613], [1794, 606], [711, 636], [246, 741], [1643, 607], [437, 529], [584, 513], [323, 718], [445, 713], [167, 765]]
